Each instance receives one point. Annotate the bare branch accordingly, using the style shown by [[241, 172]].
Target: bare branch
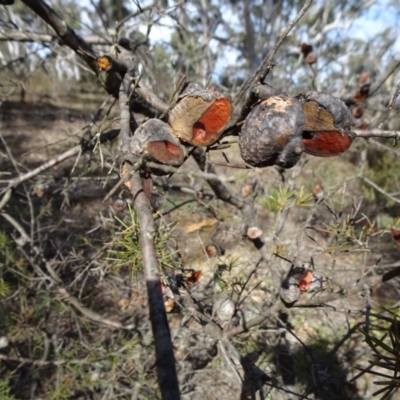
[[17, 36], [378, 133], [167, 378], [68, 36], [49, 164]]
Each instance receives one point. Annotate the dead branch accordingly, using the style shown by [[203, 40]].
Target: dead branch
[[377, 133], [90, 314], [165, 359], [167, 378], [17, 36], [223, 193], [67, 35], [13, 183]]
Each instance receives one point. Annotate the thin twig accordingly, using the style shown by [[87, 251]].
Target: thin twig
[[49, 164], [379, 189], [93, 316], [262, 71], [317, 301]]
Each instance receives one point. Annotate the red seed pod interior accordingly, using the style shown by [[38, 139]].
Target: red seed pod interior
[[326, 143], [165, 152], [200, 115], [155, 141], [208, 128], [305, 281], [327, 125]]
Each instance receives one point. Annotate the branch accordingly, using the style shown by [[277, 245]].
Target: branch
[[67, 35], [378, 133], [166, 372], [165, 359], [246, 208], [17, 36], [47, 165], [366, 283], [90, 314]]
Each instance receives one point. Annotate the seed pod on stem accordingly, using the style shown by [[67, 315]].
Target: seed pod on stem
[[271, 133], [327, 130], [155, 141], [301, 280], [200, 115]]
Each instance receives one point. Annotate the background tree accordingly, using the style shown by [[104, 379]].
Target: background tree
[[82, 229]]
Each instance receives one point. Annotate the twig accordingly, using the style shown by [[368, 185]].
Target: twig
[[152, 98], [93, 316], [197, 174], [133, 15], [391, 105], [24, 236], [378, 133], [317, 301], [246, 208], [43, 363], [49, 164], [397, 65], [55, 279], [366, 283], [5, 199], [265, 66], [17, 36], [379, 189]]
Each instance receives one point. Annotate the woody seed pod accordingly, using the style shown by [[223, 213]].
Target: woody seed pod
[[271, 133], [200, 115], [327, 124], [155, 141]]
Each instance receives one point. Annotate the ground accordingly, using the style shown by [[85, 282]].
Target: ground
[[58, 350]]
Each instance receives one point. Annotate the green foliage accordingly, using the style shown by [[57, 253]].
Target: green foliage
[[126, 251], [385, 366], [7, 255], [383, 171], [5, 391], [282, 198]]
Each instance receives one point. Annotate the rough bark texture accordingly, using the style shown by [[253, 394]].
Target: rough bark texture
[[267, 134], [165, 364]]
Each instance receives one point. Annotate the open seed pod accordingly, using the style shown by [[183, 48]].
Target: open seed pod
[[327, 125], [268, 131], [200, 115], [155, 141], [301, 280]]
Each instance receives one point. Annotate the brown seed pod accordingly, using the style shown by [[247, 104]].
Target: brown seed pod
[[200, 115], [269, 129], [155, 141], [327, 124]]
